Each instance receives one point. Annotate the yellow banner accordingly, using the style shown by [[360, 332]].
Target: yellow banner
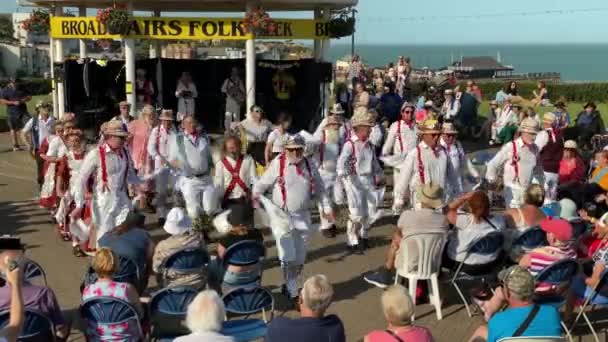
[[186, 28]]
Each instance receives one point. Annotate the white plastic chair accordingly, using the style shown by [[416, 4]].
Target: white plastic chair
[[533, 339], [424, 264]]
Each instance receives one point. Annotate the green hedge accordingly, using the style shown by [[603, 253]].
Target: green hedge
[[34, 86], [575, 92]]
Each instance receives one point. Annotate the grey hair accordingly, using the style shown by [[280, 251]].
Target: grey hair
[[397, 306], [317, 293], [206, 312]]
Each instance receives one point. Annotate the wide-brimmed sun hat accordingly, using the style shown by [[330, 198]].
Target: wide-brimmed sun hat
[[429, 126], [115, 128], [336, 109], [430, 195], [529, 125], [295, 141], [361, 121], [571, 144], [448, 128]]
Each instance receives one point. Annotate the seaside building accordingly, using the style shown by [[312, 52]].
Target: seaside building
[[481, 67]]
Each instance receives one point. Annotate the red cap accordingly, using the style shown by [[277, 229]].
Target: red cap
[[561, 229]]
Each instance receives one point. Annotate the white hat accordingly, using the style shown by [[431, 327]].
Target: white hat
[[567, 209], [571, 144], [429, 103], [448, 128], [177, 222], [407, 105], [549, 117], [529, 125], [295, 141], [361, 120], [115, 128], [166, 115]]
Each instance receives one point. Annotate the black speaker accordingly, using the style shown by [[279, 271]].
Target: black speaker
[[325, 72]]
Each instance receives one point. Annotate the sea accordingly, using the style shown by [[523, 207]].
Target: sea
[[575, 62]]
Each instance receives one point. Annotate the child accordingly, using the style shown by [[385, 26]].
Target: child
[[277, 138]]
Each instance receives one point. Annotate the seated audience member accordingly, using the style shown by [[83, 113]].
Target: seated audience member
[[10, 250], [518, 291], [206, 314], [589, 122], [105, 264], [425, 220], [179, 226], [128, 240], [520, 219], [239, 228], [559, 235], [571, 167], [468, 228], [313, 325], [598, 182], [398, 310]]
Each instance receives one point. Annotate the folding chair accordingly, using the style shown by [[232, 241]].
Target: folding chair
[[486, 245], [99, 312], [246, 301], [184, 261], [245, 253], [37, 327], [168, 308], [583, 307], [580, 227], [32, 271], [128, 272], [429, 247], [530, 239]]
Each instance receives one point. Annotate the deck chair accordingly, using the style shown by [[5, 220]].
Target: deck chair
[[167, 311], [486, 245], [582, 308], [37, 327], [245, 253], [99, 311], [530, 239], [128, 272], [184, 261], [246, 301], [429, 248]]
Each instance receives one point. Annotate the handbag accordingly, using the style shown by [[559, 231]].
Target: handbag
[[397, 338], [526, 323]]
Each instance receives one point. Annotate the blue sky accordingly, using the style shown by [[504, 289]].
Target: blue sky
[[492, 22]]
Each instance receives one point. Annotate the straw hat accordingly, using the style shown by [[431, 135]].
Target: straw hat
[[448, 92], [115, 128], [407, 105], [430, 195], [529, 125], [448, 128], [429, 126], [166, 115], [295, 141], [571, 144], [549, 118], [123, 103], [361, 120], [336, 109]]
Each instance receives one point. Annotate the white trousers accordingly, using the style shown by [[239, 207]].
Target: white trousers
[[363, 201], [513, 195], [329, 180], [109, 208], [199, 194], [164, 183], [551, 183]]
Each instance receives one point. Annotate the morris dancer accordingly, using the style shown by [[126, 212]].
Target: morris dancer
[[39, 128], [550, 142], [346, 129], [295, 183], [360, 171], [458, 163], [401, 139], [124, 117], [521, 162], [111, 168], [190, 153], [234, 174], [68, 170], [326, 154], [158, 150], [52, 150], [426, 164]]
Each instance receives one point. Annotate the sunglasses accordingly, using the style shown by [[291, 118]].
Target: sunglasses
[[408, 111], [435, 135]]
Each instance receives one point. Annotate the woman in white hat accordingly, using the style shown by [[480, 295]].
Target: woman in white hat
[[458, 162], [572, 168], [359, 170], [505, 117], [295, 183], [425, 164], [521, 164], [158, 150], [550, 142], [112, 170], [450, 106]]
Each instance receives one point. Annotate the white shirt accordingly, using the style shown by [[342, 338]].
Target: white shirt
[[506, 116], [57, 148], [466, 232], [197, 158], [331, 151], [450, 108], [408, 137], [434, 164], [45, 128], [542, 138], [159, 146], [278, 140], [256, 132], [528, 164], [223, 177], [361, 155], [458, 160], [117, 163], [297, 186]]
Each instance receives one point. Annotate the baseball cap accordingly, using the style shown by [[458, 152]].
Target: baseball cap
[[560, 228], [518, 281]]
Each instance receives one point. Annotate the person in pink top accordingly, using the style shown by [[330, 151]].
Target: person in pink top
[[571, 167], [398, 310], [139, 132]]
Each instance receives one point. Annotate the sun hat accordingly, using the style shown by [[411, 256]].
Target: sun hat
[[430, 195], [570, 144], [336, 109], [115, 128], [166, 115], [361, 120], [448, 128], [295, 141], [549, 117], [429, 126], [177, 222], [518, 281], [560, 228], [407, 105], [529, 125], [567, 209]]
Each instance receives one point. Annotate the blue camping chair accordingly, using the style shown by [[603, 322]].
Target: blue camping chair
[[245, 253], [168, 309], [486, 245], [580, 227], [246, 301], [99, 311], [32, 271], [37, 327], [530, 239], [128, 272], [184, 261], [582, 308]]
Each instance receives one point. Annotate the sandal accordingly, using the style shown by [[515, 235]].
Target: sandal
[[78, 252]]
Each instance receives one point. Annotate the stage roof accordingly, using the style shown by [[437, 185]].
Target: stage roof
[[203, 5]]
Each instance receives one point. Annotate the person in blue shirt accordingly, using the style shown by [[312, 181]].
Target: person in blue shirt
[[562, 115], [390, 104], [518, 291]]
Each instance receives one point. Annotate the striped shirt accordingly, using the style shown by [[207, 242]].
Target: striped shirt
[[543, 257]]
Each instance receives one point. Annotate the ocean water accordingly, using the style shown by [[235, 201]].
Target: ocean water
[[575, 62]]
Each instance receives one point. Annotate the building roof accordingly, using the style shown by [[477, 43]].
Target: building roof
[[201, 5], [481, 63]]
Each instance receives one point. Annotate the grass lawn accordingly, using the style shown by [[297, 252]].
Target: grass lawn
[[573, 108], [30, 105]]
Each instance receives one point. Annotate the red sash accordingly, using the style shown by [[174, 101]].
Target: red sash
[[104, 167], [420, 166], [514, 161], [236, 178], [282, 160], [399, 135]]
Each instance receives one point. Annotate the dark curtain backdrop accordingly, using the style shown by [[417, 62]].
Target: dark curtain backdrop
[[106, 88]]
